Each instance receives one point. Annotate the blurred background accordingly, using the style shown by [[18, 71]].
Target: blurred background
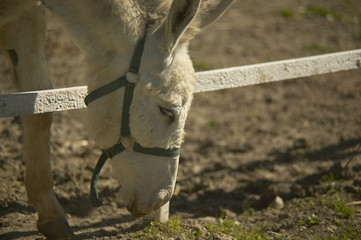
[[296, 140]]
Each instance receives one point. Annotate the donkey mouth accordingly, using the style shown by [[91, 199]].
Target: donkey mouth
[[137, 211]]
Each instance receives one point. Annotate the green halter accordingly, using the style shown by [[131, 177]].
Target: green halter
[[125, 130]]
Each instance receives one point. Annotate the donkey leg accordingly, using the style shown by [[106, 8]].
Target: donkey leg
[[24, 40], [38, 178]]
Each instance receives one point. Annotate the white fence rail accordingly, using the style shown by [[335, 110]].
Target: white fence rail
[[72, 98]]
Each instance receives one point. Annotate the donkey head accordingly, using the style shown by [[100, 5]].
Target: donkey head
[[161, 100]]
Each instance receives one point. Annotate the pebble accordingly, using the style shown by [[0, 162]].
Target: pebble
[[277, 203]]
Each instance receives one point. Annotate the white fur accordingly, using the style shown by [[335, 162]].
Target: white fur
[[107, 31]]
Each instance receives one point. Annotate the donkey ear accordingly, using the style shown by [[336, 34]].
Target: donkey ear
[[181, 14], [211, 10]]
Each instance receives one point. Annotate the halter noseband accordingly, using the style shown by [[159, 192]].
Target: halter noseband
[[125, 129]]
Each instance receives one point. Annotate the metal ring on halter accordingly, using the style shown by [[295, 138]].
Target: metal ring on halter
[[130, 140], [132, 78]]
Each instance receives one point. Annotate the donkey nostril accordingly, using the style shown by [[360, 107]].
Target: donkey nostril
[[162, 199], [129, 208], [135, 210], [131, 205], [13, 57], [159, 204]]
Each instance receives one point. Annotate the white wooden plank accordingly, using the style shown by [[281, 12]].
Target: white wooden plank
[[277, 71], [42, 101], [72, 98]]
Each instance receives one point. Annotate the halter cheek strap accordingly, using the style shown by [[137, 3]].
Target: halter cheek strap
[[125, 135]]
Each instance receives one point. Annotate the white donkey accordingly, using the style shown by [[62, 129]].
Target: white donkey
[[140, 80]]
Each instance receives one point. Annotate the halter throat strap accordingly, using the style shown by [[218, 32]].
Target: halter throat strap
[[125, 134]]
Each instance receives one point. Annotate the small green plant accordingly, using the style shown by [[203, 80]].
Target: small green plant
[[287, 12], [213, 124], [342, 208], [349, 233], [310, 10], [318, 47], [313, 220], [202, 66], [323, 12], [172, 229], [235, 230], [329, 178]]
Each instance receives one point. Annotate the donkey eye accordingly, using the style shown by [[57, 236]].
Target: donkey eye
[[167, 113]]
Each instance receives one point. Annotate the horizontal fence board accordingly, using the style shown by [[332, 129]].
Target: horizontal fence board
[[277, 71], [52, 100], [73, 98]]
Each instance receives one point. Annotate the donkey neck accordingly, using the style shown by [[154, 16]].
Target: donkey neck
[[104, 68]]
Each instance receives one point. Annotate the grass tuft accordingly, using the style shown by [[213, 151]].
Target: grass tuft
[[234, 229], [323, 12], [341, 207], [287, 12]]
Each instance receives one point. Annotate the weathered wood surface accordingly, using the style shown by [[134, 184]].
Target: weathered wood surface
[[73, 98]]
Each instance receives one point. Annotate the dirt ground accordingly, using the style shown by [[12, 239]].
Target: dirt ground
[[281, 157]]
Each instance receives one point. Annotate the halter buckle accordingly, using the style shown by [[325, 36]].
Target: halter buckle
[[127, 142]]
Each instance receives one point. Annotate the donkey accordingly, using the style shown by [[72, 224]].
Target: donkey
[[140, 80]]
